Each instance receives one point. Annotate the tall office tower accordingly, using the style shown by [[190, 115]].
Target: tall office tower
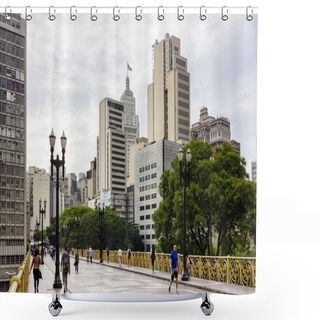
[[12, 146], [112, 155], [39, 187], [150, 162], [169, 93], [82, 189], [131, 120]]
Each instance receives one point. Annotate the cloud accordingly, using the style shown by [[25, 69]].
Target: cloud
[[72, 66]]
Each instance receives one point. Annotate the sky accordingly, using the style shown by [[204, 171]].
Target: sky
[[73, 65]]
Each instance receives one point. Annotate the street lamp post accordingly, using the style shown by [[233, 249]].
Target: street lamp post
[[185, 174], [101, 213], [37, 230], [57, 163], [42, 212], [77, 219]]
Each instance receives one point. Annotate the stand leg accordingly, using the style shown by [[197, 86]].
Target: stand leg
[[55, 306], [206, 305]]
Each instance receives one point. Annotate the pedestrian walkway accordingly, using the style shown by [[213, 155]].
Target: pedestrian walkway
[[109, 277]]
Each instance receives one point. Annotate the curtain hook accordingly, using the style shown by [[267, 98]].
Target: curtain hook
[[8, 16], [138, 16], [73, 17], [93, 17], [52, 16], [116, 17], [224, 13], [180, 16], [203, 12], [160, 16], [28, 16], [249, 17]]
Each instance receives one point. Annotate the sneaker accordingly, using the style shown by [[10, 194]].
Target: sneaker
[[169, 289], [177, 292]]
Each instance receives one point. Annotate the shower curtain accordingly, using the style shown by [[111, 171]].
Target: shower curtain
[[154, 183]]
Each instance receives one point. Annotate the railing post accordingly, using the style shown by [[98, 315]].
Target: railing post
[[200, 265], [208, 270], [162, 262], [228, 269], [252, 276]]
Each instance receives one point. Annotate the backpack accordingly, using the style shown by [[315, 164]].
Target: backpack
[[65, 257]]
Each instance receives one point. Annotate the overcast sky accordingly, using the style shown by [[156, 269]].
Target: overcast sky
[[73, 65]]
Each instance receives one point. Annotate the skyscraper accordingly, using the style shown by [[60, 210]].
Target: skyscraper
[[169, 93], [131, 120], [112, 154], [12, 146]]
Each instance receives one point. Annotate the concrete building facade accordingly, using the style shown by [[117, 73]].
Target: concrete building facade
[[112, 154], [150, 162], [169, 93], [12, 146]]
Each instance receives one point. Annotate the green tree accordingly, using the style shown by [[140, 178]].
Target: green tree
[[220, 199]]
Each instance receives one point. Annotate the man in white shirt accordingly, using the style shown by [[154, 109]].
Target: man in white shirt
[[120, 257]]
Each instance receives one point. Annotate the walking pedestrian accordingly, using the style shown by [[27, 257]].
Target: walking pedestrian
[[36, 261], [88, 255], [120, 257], [91, 254], [65, 266], [129, 256], [174, 267], [76, 262], [108, 252], [152, 256]]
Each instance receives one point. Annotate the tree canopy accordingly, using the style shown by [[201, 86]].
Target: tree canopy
[[116, 232], [220, 204]]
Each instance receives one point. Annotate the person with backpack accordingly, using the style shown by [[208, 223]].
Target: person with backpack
[[153, 256], [65, 266], [76, 262], [129, 256]]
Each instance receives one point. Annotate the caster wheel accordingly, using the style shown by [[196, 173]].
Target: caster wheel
[[206, 306], [55, 307]]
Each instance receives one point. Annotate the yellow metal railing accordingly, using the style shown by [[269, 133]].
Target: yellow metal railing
[[231, 270], [19, 282]]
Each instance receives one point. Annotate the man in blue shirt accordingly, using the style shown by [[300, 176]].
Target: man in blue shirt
[[174, 267]]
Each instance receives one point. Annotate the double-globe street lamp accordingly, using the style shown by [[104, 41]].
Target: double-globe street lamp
[[101, 213], [57, 163], [77, 219], [42, 212], [185, 174], [37, 232]]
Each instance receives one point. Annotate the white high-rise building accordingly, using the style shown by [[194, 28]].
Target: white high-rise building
[[112, 155], [169, 93], [131, 120]]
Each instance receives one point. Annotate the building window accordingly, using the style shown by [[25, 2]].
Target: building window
[[153, 165], [154, 206], [148, 236], [147, 206], [153, 185], [141, 217], [154, 175], [141, 227], [141, 198], [147, 216], [148, 197], [148, 187], [141, 189], [154, 195], [141, 169], [147, 177], [141, 208], [153, 236], [147, 167], [142, 237], [141, 179], [153, 226], [148, 226]]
